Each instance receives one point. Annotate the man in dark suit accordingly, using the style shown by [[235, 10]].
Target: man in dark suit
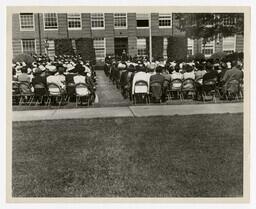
[[156, 84]]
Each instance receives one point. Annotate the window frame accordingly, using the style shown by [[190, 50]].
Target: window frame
[[24, 29], [105, 51], [165, 14], [80, 28], [204, 48], [145, 27], [126, 22], [22, 48], [190, 47], [234, 44], [57, 20], [142, 49], [98, 28]]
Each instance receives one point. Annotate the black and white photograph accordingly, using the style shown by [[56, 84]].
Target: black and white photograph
[[128, 102]]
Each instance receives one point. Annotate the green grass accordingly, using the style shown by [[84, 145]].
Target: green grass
[[178, 156]]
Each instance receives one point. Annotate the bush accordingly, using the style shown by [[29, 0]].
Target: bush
[[218, 55], [84, 47], [199, 57], [63, 47], [23, 58], [234, 56], [157, 47], [177, 48]]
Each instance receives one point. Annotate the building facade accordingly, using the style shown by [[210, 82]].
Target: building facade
[[112, 33]]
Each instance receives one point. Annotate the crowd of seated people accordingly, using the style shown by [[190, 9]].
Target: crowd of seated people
[[62, 72], [200, 79]]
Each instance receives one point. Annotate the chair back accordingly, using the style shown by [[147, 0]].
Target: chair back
[[39, 89], [199, 80], [25, 88], [15, 87], [140, 87], [188, 84], [82, 89], [53, 89], [233, 86], [176, 84]]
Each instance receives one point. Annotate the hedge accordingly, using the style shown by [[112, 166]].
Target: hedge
[[218, 55], [23, 58], [157, 47], [84, 47], [63, 47], [177, 48]]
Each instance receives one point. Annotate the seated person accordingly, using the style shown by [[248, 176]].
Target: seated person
[[53, 78], [189, 72], [157, 79], [140, 75], [24, 77], [176, 73], [231, 77]]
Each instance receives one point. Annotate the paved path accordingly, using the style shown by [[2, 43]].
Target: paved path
[[108, 94], [131, 111]]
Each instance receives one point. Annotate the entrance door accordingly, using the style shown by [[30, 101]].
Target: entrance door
[[120, 45]]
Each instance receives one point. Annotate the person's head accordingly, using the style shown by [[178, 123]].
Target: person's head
[[24, 69], [234, 63], [159, 69], [37, 72], [61, 69], [177, 68], [209, 67], [188, 68]]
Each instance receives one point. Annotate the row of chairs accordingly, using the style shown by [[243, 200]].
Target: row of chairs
[[180, 88], [25, 94]]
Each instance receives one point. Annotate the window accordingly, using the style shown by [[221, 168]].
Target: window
[[50, 21], [74, 21], [228, 21], [190, 47], [208, 48], [165, 45], [97, 20], [120, 20], [229, 44], [142, 20], [142, 46], [165, 20], [100, 50], [50, 47], [28, 46], [26, 21]]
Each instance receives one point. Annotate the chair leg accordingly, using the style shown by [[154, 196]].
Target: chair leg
[[31, 100], [21, 100]]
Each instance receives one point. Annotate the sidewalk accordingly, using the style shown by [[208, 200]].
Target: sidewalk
[[131, 111]]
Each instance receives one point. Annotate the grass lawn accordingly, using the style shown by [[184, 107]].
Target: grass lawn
[[177, 156]]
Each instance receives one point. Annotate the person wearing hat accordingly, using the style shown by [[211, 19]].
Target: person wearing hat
[[155, 80], [38, 79], [189, 72], [24, 77], [57, 79], [140, 75]]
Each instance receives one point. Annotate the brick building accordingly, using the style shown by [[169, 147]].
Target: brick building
[[111, 33]]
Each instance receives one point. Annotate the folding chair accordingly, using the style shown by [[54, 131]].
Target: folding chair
[[141, 91], [175, 86], [15, 92], [40, 92], [26, 94], [233, 89], [188, 86], [82, 92], [209, 87], [54, 92], [156, 91]]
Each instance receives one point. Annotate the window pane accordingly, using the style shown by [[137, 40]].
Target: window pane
[[97, 20], [28, 46], [50, 21], [120, 20], [142, 23], [27, 21], [165, 20], [141, 46], [99, 46], [229, 44], [142, 20], [74, 20]]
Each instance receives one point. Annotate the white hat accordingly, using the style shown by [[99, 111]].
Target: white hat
[[41, 67], [51, 68]]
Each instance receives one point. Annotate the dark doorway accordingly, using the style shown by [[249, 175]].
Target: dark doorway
[[120, 45]]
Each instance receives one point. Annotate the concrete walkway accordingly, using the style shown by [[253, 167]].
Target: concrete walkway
[[131, 111]]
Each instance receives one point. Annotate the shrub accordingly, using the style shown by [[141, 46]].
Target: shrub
[[63, 47], [199, 56], [23, 58], [218, 55], [177, 48], [84, 47], [234, 56]]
